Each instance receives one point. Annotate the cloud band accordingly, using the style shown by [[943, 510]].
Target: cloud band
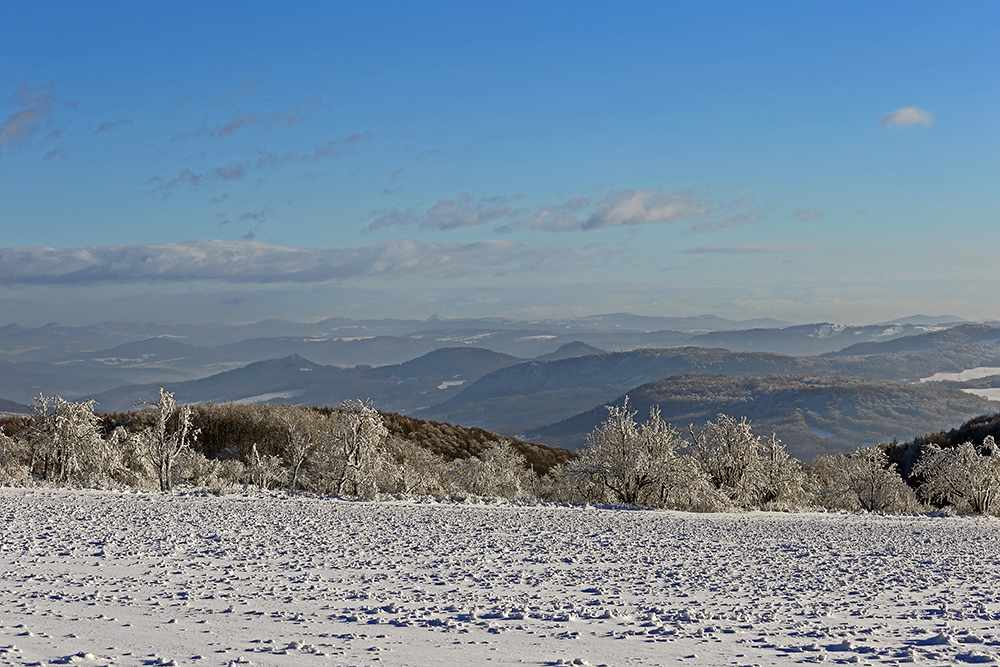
[[253, 262]]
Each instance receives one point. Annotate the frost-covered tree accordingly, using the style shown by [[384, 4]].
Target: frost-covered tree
[[303, 444], [634, 463], [783, 478], [360, 436], [65, 443], [263, 470], [166, 440], [962, 476]]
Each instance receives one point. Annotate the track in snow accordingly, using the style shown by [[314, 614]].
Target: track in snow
[[100, 578]]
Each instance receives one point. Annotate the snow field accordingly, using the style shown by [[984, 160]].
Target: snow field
[[102, 578]]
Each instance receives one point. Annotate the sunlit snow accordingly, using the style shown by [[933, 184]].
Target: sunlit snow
[[98, 578]]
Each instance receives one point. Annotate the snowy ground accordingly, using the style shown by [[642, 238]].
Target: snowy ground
[[96, 578]]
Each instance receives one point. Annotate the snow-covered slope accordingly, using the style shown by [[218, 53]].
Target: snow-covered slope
[[95, 578]]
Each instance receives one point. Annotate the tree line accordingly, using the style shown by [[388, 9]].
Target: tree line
[[352, 449]]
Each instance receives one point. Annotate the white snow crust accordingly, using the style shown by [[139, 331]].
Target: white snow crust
[[124, 578]]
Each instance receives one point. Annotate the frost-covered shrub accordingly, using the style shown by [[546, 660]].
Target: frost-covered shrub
[[412, 469], [498, 471], [863, 479], [635, 464], [13, 461], [342, 451], [133, 467], [963, 476], [749, 470], [565, 484], [65, 446], [218, 476]]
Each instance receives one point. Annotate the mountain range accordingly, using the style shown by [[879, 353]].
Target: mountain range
[[538, 378]]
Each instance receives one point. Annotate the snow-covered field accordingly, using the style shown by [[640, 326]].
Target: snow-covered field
[[100, 578]]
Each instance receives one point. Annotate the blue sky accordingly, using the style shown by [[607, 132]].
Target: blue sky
[[805, 161]]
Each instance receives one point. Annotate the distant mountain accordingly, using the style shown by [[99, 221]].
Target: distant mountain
[[12, 408], [295, 380], [964, 334], [805, 339], [629, 322], [346, 352], [929, 320], [810, 414], [158, 349], [23, 382], [571, 350]]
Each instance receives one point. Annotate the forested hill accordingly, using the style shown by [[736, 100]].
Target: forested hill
[[811, 414], [523, 397]]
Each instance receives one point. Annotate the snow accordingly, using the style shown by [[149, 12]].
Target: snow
[[95, 578], [989, 394], [451, 383], [264, 398], [963, 376], [826, 435]]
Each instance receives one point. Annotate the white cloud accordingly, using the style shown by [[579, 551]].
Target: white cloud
[[253, 262], [907, 117], [644, 207]]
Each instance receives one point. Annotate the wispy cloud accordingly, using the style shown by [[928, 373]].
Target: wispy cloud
[[907, 117], [231, 172], [618, 208], [241, 91], [243, 121], [236, 171], [329, 148], [447, 214], [109, 125], [749, 248], [258, 216], [254, 262], [808, 214], [32, 112]]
